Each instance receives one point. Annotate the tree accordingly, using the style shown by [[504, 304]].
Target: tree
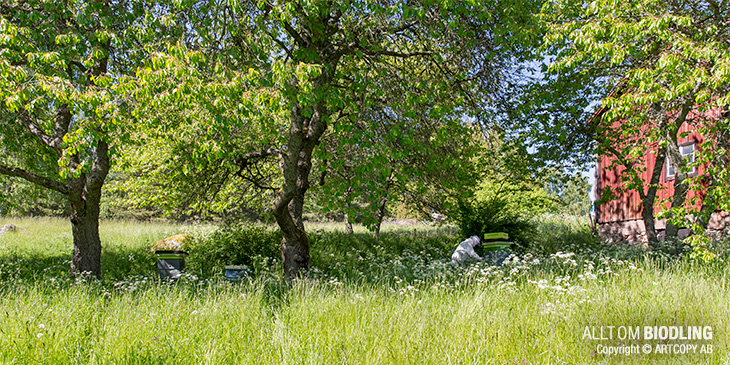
[[317, 65], [60, 116], [668, 64], [394, 154]]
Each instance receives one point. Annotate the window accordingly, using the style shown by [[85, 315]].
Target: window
[[688, 153]]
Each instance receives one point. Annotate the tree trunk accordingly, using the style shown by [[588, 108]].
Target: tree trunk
[[296, 165], [648, 198], [295, 243], [707, 208], [85, 200], [84, 197], [680, 195], [592, 221], [382, 203], [647, 215], [85, 205], [348, 207], [681, 187], [295, 252], [307, 123], [87, 245], [381, 215], [348, 225]]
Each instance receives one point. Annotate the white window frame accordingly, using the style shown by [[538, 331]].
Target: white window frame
[[689, 155]]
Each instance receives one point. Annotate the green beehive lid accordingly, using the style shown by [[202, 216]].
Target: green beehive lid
[[496, 240], [496, 235]]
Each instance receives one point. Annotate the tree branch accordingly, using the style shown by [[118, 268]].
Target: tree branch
[[629, 165], [404, 27], [281, 44], [251, 158], [79, 66], [38, 132], [294, 34], [60, 128], [35, 179], [257, 182], [394, 53]]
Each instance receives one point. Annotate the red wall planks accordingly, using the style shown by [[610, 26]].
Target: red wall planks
[[627, 205]]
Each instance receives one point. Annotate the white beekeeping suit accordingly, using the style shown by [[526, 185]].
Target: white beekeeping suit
[[465, 250]]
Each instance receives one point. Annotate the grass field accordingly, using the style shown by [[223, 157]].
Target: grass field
[[391, 301]]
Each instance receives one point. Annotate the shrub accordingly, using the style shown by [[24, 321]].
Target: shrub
[[234, 244], [477, 217]]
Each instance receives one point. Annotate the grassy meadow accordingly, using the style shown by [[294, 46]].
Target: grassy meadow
[[395, 300]]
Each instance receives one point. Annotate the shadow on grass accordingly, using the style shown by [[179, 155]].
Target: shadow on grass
[[117, 264]]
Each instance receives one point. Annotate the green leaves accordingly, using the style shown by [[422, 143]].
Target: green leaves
[[665, 62]]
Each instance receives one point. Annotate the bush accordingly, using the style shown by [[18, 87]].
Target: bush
[[236, 244], [477, 217]]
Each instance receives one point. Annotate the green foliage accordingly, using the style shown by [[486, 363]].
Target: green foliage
[[195, 130], [21, 198], [235, 244], [404, 210], [477, 217], [519, 198], [66, 57], [358, 257], [700, 247], [571, 233], [403, 254], [513, 190], [65, 97], [514, 207], [406, 166]]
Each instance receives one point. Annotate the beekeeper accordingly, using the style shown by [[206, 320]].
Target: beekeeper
[[465, 250]]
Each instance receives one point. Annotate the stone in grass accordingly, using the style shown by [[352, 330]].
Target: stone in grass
[[174, 243], [10, 228]]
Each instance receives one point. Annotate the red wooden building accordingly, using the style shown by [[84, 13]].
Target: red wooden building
[[620, 218]]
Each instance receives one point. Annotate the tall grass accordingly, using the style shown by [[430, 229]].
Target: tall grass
[[367, 310], [44, 245]]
